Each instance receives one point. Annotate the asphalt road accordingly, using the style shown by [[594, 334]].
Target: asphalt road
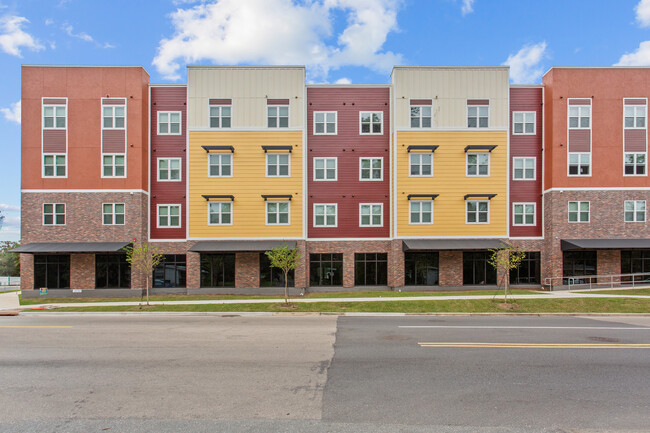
[[159, 373]]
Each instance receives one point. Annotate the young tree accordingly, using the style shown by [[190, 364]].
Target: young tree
[[504, 260], [143, 259], [286, 259]]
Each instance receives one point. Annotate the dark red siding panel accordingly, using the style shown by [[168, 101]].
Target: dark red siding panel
[[579, 140], [168, 98], [114, 101], [54, 140], [113, 141], [54, 101], [585, 101], [526, 191], [635, 140], [348, 145], [277, 102], [421, 102], [220, 101], [478, 102], [635, 102]]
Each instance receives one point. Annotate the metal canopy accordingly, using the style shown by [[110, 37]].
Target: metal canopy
[[431, 147], [277, 196], [71, 247], [451, 244], [218, 197], [228, 148], [431, 196], [597, 244], [487, 196], [238, 246], [277, 148], [488, 147]]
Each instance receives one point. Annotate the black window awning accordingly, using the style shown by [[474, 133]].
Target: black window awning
[[71, 247], [451, 244], [238, 246], [604, 244]]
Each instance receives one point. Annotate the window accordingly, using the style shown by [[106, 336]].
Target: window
[[220, 116], [528, 271], [218, 270], [523, 122], [635, 117], [477, 116], [112, 271], [326, 269], [578, 211], [478, 164], [325, 215], [171, 271], [523, 214], [277, 165], [421, 212], [324, 122], [54, 165], [477, 269], [113, 166], [371, 122], [54, 214], [113, 214], [371, 168], [634, 211], [635, 164], [54, 116], [169, 215], [52, 271], [420, 116], [113, 117], [420, 269], [632, 262], [325, 168], [421, 164], [370, 269], [169, 170], [277, 213], [271, 276], [579, 116], [577, 263], [371, 215], [278, 116], [220, 213], [219, 165], [579, 164], [523, 168], [478, 212], [169, 123]]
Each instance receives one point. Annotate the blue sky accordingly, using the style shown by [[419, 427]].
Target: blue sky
[[355, 41]]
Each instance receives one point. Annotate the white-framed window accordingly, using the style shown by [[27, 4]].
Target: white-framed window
[[54, 165], [169, 123], [421, 116], [325, 169], [220, 116], [371, 122], [478, 164], [371, 168], [325, 122], [478, 116], [278, 116], [169, 169], [278, 164], [278, 213], [169, 215], [113, 117], [325, 215], [523, 168], [113, 165], [635, 117], [220, 213], [420, 164], [477, 212], [53, 214], [523, 214], [371, 215], [579, 164], [578, 211], [421, 212], [635, 164], [220, 165], [579, 116], [113, 214], [634, 211], [523, 122], [54, 117]]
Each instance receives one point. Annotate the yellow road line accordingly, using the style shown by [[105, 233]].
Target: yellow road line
[[539, 345], [36, 327]]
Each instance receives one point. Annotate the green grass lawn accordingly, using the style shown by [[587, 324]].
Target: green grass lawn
[[645, 292], [8, 290]]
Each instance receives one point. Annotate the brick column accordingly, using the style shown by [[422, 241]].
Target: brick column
[[82, 271], [193, 270], [26, 272], [396, 264], [608, 262], [247, 270], [301, 274], [451, 268], [348, 269], [552, 261]]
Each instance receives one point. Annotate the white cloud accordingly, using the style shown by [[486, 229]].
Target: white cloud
[[9, 207], [49, 21], [640, 57], [643, 13], [13, 37], [467, 7], [250, 31], [12, 114], [525, 65], [343, 80], [81, 35]]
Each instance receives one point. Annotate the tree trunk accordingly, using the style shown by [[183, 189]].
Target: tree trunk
[[286, 284], [147, 287]]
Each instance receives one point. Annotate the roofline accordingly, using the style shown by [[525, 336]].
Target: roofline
[[245, 67], [86, 66], [348, 86], [167, 85], [478, 68], [595, 67], [524, 86]]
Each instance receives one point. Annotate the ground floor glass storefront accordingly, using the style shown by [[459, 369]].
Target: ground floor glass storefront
[[51, 271], [171, 271], [635, 262], [370, 269], [271, 276], [576, 263], [326, 269], [528, 271], [112, 271], [217, 270], [477, 269], [421, 268]]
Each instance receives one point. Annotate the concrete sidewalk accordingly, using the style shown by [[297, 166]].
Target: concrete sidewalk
[[9, 301]]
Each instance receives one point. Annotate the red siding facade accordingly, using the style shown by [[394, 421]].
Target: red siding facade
[[348, 145]]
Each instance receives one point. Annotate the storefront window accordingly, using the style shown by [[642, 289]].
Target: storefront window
[[579, 263], [370, 269], [217, 270], [326, 269], [171, 271], [528, 270], [421, 269], [477, 270], [112, 271], [52, 271], [272, 277]]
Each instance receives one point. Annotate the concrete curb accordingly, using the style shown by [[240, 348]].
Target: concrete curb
[[351, 314]]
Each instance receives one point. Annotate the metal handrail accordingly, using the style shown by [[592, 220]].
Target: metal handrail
[[597, 280]]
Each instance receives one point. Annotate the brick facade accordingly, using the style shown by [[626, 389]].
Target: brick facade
[[450, 268], [247, 270], [26, 272], [82, 271]]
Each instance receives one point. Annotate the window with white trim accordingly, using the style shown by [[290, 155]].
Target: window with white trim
[[53, 214], [579, 211], [220, 116], [579, 164], [421, 164], [325, 122], [371, 168], [54, 117], [635, 211], [421, 116], [478, 116], [579, 116], [277, 165], [477, 212], [277, 213], [635, 117], [113, 214], [113, 117], [219, 165], [169, 123], [278, 116], [325, 215], [220, 213], [113, 165], [523, 168], [371, 215], [169, 215], [523, 122], [325, 168], [478, 164], [635, 164], [371, 122], [523, 214], [421, 212], [54, 165], [169, 169]]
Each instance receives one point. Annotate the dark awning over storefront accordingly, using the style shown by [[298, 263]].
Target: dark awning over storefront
[[451, 244], [70, 247], [599, 244], [233, 246]]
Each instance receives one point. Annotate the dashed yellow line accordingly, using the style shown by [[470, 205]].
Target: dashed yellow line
[[538, 345], [55, 327]]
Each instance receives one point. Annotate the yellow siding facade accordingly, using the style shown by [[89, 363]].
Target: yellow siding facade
[[451, 183], [247, 184]]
